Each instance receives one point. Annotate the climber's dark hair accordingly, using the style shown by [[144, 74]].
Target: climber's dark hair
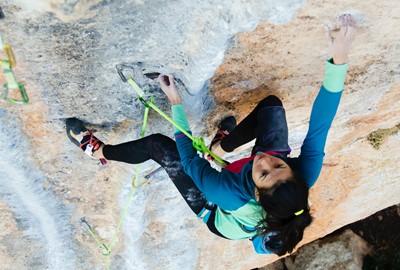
[[281, 228]]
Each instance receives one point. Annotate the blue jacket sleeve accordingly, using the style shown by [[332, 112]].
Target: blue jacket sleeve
[[221, 188], [323, 112]]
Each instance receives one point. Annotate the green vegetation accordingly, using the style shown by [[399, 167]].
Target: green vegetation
[[377, 137]]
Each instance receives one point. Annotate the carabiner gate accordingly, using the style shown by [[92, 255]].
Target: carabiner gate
[[120, 68], [22, 91]]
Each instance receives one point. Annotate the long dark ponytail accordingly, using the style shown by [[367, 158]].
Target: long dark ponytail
[[287, 214]]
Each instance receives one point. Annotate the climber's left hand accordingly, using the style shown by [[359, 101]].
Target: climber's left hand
[[168, 86], [340, 46]]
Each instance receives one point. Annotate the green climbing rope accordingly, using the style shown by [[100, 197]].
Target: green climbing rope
[[106, 248], [198, 143], [85, 225]]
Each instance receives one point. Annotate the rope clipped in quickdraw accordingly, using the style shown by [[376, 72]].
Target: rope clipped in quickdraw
[[135, 184], [85, 225], [106, 249], [198, 143], [12, 83]]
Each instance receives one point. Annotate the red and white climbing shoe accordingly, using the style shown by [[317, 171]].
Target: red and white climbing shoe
[[83, 138], [224, 128]]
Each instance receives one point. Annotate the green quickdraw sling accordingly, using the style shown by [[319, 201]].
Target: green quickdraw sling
[[198, 143], [106, 248], [12, 83]]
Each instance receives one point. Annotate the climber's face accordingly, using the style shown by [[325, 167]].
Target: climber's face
[[269, 170]]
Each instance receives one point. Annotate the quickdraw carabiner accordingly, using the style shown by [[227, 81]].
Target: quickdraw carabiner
[[12, 83], [85, 225], [22, 91], [120, 69]]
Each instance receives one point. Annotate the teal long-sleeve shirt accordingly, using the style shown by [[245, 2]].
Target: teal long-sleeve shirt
[[234, 192]]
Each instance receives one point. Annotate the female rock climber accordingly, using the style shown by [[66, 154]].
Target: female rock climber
[[264, 197]]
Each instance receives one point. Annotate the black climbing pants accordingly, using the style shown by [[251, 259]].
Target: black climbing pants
[[163, 150], [266, 123]]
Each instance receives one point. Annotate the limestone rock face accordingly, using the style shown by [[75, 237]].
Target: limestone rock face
[[343, 251], [357, 179], [66, 54]]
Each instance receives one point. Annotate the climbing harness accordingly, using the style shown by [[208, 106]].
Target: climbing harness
[[206, 212], [12, 83], [198, 143]]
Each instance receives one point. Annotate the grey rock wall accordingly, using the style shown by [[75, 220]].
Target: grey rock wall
[[66, 54]]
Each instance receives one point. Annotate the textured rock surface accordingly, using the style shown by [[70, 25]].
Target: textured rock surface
[[357, 180], [370, 243], [343, 251], [66, 53]]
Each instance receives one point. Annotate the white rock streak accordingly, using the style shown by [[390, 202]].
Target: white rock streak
[[38, 213], [218, 25]]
